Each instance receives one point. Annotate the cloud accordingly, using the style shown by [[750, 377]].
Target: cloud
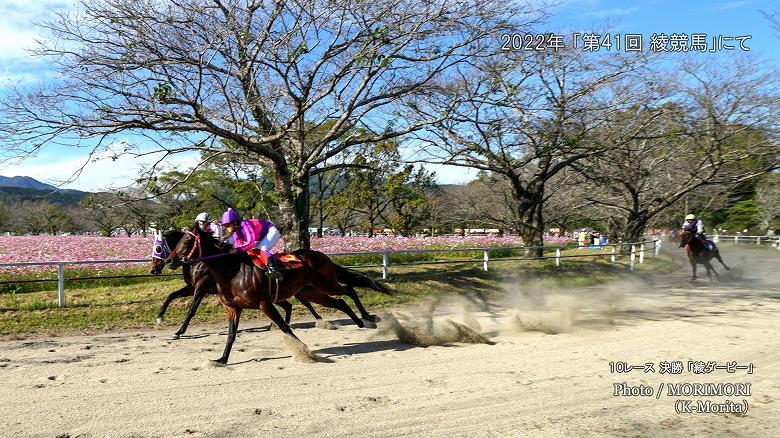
[[18, 34], [106, 169], [730, 5], [613, 12]]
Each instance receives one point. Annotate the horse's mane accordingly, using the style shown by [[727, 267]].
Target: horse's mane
[[173, 235], [232, 262]]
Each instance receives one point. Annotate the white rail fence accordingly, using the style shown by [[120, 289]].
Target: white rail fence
[[635, 254], [773, 241]]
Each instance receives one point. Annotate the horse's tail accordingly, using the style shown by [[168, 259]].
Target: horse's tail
[[356, 279]]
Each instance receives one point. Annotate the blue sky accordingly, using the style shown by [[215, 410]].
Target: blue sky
[[726, 18]]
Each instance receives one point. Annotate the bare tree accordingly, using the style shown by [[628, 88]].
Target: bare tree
[[768, 200], [249, 78], [528, 116], [718, 126]]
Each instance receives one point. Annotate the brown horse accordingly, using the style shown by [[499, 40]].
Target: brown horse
[[699, 253], [197, 282], [242, 285]]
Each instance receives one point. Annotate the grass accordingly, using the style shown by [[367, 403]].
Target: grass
[[105, 307]]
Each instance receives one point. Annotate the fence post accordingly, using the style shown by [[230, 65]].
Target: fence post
[[557, 257], [485, 259], [716, 238], [641, 253], [613, 258], [633, 256], [736, 239], [61, 283], [656, 245], [758, 240], [385, 265]]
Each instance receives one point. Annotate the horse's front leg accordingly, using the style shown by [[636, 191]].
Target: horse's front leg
[[233, 314], [693, 267], [186, 291], [202, 288]]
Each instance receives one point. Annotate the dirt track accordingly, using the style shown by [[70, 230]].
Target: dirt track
[[547, 375]]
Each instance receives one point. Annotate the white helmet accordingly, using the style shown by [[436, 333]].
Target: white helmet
[[203, 217]]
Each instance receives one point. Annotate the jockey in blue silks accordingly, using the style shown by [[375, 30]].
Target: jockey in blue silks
[[696, 226]]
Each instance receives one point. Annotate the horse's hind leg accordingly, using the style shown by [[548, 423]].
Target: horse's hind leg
[[271, 312], [186, 291], [363, 313], [318, 297], [308, 306], [717, 256], [711, 268], [234, 314], [287, 306]]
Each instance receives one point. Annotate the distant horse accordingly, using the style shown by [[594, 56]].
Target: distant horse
[[699, 253], [242, 285], [197, 282]]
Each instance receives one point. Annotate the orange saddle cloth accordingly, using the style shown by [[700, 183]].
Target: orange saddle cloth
[[283, 259]]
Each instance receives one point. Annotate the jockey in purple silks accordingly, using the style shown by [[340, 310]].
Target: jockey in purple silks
[[696, 226], [253, 233]]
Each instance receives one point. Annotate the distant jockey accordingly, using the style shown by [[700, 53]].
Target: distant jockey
[[253, 233], [206, 224], [696, 226]]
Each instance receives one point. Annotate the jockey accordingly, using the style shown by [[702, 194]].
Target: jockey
[[206, 224], [253, 233], [696, 226]]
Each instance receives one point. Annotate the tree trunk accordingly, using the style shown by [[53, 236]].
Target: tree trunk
[[293, 206], [532, 228], [634, 231], [320, 209]]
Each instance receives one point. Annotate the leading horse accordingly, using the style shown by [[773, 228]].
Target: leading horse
[[197, 282], [698, 253], [242, 285]]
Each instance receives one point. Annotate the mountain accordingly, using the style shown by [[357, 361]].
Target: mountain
[[24, 182], [25, 188]]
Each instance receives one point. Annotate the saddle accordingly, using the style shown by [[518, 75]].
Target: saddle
[[284, 260], [707, 244]]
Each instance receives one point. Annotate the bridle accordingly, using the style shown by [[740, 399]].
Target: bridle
[[199, 247], [196, 245]]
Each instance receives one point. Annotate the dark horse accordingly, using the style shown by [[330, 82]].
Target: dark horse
[[197, 282], [242, 285], [699, 253]]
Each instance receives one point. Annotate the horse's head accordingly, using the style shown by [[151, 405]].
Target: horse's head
[[160, 252], [161, 249], [194, 244], [685, 238]]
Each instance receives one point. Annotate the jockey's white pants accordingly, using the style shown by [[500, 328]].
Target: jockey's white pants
[[270, 239]]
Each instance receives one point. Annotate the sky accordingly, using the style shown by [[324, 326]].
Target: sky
[[727, 19]]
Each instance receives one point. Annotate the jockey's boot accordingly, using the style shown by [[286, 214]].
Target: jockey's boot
[[273, 270]]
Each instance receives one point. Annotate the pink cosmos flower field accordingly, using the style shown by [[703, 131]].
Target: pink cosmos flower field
[[85, 248]]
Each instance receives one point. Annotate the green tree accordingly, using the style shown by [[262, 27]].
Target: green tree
[[743, 215], [407, 192]]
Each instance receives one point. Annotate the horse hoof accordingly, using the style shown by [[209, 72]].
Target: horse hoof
[[373, 318], [175, 337], [159, 321], [369, 324], [217, 363]]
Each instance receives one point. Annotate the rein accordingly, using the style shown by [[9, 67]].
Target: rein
[[198, 245]]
